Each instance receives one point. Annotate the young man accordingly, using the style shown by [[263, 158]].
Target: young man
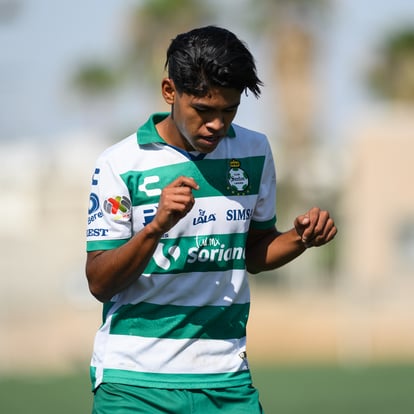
[[179, 213]]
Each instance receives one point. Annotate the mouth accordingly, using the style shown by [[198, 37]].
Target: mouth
[[212, 139], [207, 143]]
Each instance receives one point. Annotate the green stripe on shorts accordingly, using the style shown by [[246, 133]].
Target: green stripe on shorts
[[128, 399]]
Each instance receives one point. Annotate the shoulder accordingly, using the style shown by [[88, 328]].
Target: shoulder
[[243, 132], [121, 147], [248, 140], [120, 152]]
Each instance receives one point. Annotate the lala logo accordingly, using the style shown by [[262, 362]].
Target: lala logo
[[203, 217]]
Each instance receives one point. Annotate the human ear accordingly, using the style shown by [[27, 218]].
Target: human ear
[[168, 90]]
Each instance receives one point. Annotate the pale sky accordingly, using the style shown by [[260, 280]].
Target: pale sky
[[48, 39]]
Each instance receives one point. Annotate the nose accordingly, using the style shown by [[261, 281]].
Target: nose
[[216, 123]]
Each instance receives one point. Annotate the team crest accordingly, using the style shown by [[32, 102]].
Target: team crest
[[237, 178]]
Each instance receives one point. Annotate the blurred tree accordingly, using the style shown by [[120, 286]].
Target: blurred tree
[[293, 29], [94, 84], [148, 30], [148, 27], [391, 76], [151, 27], [10, 10], [95, 79]]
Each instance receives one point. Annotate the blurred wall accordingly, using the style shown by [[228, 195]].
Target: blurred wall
[[48, 317], [368, 313]]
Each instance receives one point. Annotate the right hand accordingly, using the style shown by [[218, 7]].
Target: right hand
[[176, 201], [315, 227]]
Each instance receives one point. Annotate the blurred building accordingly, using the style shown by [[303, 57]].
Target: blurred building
[[377, 268], [378, 202], [47, 315], [368, 313]]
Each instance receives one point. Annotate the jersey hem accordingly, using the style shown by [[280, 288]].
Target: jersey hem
[[170, 381]]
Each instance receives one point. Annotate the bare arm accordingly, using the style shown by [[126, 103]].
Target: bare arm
[[270, 249], [111, 271]]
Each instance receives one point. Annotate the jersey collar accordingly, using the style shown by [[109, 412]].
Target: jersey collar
[[148, 134]]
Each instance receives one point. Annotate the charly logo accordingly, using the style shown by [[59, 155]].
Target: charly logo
[[203, 217], [237, 178], [119, 207], [150, 192]]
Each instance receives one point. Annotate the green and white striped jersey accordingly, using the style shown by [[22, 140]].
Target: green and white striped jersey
[[182, 324]]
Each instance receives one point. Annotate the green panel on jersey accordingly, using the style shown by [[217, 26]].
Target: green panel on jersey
[[263, 225], [104, 244], [187, 381], [92, 374], [216, 252], [181, 322], [226, 177]]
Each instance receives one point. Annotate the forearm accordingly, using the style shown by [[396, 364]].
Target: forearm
[[111, 271], [273, 250]]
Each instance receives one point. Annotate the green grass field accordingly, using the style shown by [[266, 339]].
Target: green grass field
[[333, 390], [381, 389]]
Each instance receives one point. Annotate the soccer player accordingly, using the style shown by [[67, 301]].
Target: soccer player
[[180, 212]]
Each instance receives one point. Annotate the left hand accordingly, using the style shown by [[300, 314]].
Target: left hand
[[315, 227]]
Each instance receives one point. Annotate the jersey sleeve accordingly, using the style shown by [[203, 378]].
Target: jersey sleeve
[[109, 215], [264, 216]]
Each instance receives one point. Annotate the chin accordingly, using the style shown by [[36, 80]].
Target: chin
[[208, 147]]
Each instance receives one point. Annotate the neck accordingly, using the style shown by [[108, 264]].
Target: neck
[[171, 135]]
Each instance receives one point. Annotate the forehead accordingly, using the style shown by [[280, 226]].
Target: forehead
[[217, 97]]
